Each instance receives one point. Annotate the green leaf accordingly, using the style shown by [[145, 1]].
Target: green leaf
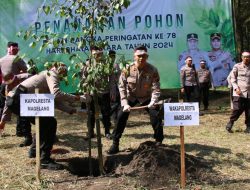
[[226, 27], [126, 3], [214, 18], [32, 44], [55, 43], [46, 9]]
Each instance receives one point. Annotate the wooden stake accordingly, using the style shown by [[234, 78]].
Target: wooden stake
[[183, 169], [183, 172], [99, 144], [38, 162], [89, 142], [98, 133]]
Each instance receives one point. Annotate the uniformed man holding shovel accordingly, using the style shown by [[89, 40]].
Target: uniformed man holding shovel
[[138, 84]]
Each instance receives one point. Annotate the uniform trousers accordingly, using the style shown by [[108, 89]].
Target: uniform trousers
[[192, 93], [115, 105], [155, 120], [48, 127], [204, 93], [104, 103], [240, 105]]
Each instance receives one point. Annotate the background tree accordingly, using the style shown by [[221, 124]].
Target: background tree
[[241, 18]]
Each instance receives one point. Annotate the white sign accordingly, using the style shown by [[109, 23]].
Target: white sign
[[181, 114], [37, 105]]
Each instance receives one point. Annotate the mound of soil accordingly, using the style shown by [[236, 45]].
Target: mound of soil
[[155, 165]]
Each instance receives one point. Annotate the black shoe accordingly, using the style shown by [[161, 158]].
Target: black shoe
[[51, 165], [27, 141], [229, 127], [113, 149], [32, 153]]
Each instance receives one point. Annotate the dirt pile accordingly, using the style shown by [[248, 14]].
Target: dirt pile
[[158, 166]]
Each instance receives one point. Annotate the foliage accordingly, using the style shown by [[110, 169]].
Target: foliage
[[96, 13], [214, 20]]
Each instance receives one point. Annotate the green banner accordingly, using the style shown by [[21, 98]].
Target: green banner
[[162, 26]]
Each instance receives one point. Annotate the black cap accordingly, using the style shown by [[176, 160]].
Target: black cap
[[141, 47], [12, 44], [192, 36], [111, 52], [96, 48], [215, 36]]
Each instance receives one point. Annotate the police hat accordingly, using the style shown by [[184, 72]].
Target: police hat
[[12, 44], [215, 36], [192, 36]]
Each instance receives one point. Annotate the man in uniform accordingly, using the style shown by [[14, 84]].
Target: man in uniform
[[240, 80], [220, 62], [104, 95], [116, 102], [189, 81], [11, 63], [46, 82], [139, 83], [205, 82], [193, 51]]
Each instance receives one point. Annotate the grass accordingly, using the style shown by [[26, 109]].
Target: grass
[[227, 154]]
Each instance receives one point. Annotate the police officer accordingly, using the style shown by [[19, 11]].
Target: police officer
[[46, 82], [205, 82], [139, 83], [193, 51], [189, 81], [220, 62], [104, 95], [240, 80], [116, 102], [12, 63]]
